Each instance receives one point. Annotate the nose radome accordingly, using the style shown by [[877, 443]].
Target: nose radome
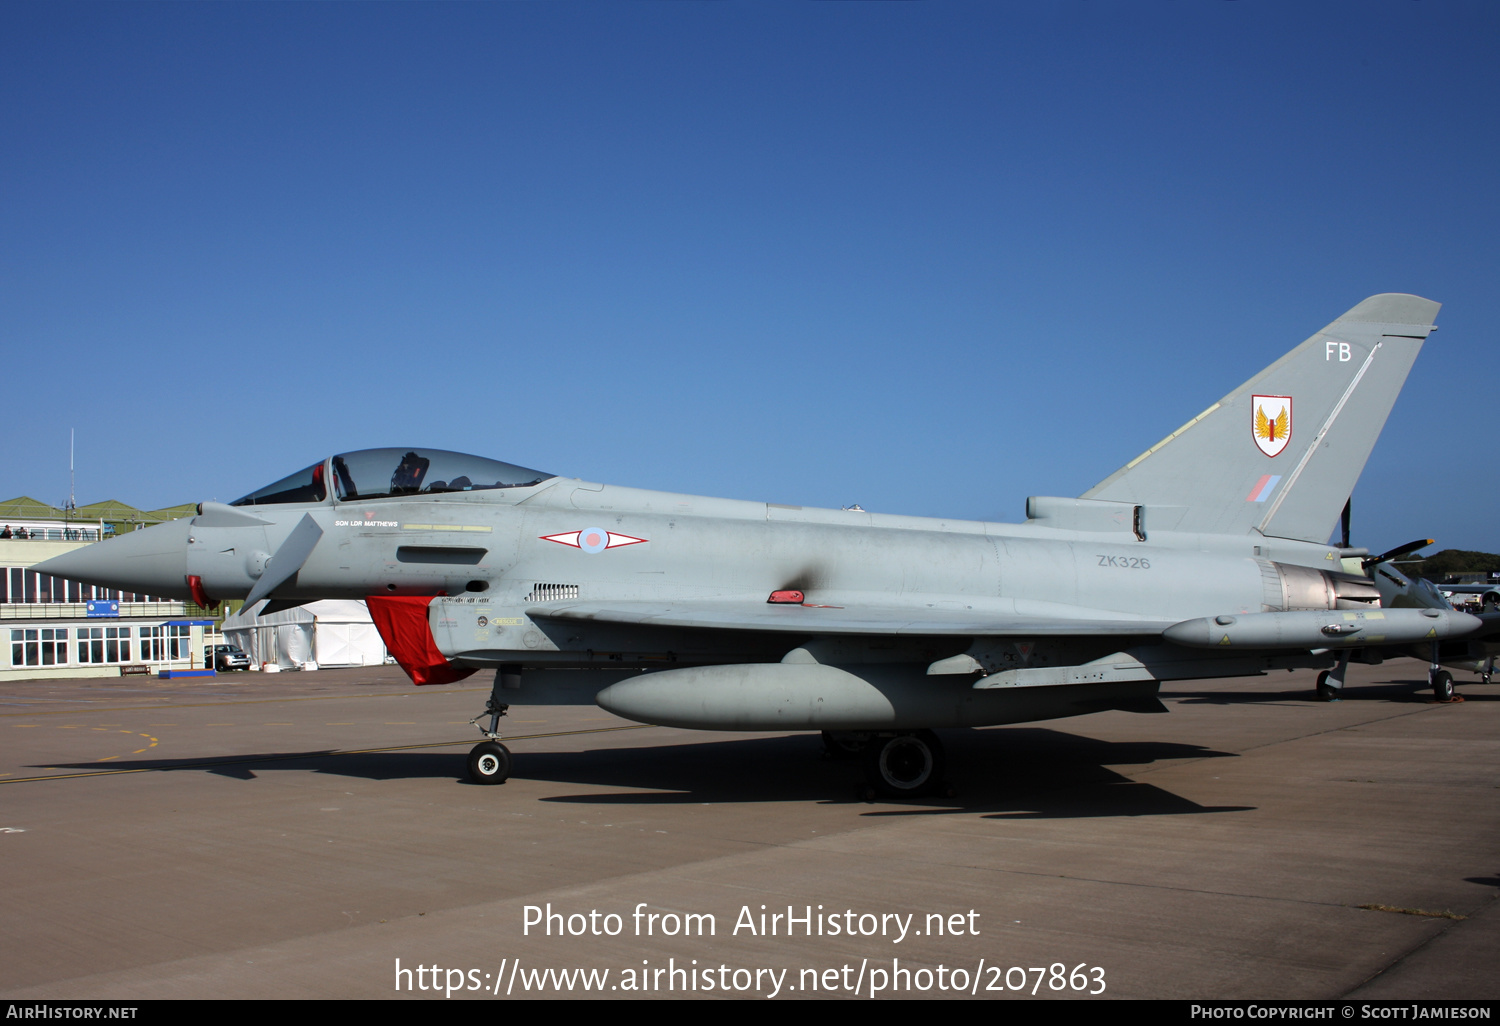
[[152, 560]]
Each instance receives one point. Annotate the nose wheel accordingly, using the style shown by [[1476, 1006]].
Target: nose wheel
[[489, 763]]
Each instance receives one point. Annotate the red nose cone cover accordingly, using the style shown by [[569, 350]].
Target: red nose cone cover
[[200, 597], [402, 623]]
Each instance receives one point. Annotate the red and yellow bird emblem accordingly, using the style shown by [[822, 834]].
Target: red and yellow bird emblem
[[1271, 429], [1271, 423]]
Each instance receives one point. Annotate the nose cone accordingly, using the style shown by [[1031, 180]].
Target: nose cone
[[152, 561]]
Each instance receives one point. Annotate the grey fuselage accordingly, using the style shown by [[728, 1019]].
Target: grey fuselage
[[491, 547]]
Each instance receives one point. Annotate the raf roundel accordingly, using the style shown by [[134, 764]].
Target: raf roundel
[[593, 539]]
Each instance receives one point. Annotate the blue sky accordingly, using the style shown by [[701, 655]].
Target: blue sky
[[931, 258]]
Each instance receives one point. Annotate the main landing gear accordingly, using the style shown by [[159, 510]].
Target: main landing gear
[[489, 761], [1331, 682], [909, 764], [1442, 685]]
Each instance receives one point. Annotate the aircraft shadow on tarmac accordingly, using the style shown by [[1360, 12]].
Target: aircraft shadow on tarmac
[[1015, 772], [367, 765], [1413, 690]]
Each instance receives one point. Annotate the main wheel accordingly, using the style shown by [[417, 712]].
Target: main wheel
[[1442, 686], [845, 744], [905, 766], [489, 763], [1326, 691]]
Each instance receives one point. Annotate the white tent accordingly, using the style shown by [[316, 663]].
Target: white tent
[[332, 632]]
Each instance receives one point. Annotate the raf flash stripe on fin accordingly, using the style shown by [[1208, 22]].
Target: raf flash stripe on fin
[[1263, 488]]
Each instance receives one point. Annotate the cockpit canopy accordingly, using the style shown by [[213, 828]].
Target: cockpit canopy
[[382, 473]]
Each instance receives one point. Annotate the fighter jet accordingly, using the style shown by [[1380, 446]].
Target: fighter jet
[[1205, 556]]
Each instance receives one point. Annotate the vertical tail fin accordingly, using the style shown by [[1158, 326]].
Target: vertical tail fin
[[1281, 453]]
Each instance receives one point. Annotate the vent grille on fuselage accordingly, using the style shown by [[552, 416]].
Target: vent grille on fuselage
[[552, 592]]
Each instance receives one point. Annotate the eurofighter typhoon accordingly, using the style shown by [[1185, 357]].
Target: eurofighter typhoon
[[1205, 556]]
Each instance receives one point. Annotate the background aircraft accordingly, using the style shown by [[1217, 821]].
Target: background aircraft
[[1398, 591], [1489, 593], [1205, 556]]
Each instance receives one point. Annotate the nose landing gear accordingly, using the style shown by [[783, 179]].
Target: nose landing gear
[[489, 761]]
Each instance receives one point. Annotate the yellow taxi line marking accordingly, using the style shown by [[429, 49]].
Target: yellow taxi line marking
[[138, 751]]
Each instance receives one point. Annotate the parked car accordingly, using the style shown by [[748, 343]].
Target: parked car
[[225, 657]]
